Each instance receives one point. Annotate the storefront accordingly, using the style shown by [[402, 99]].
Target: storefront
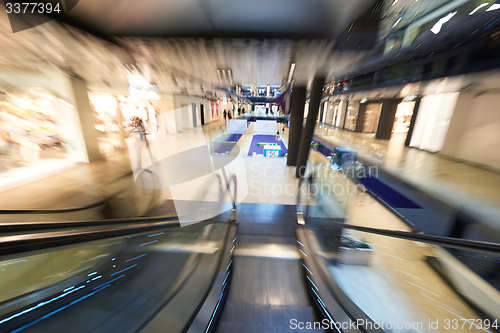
[[372, 117], [330, 113], [351, 117], [214, 111], [403, 118], [114, 113], [432, 122], [30, 134], [107, 122]]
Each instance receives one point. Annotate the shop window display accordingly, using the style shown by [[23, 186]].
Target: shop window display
[[144, 109], [372, 117], [105, 110], [351, 116], [214, 111], [29, 133], [403, 117]]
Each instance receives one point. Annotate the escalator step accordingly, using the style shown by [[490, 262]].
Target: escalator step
[[265, 314], [259, 328]]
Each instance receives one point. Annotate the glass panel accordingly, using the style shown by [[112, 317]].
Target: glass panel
[[401, 285], [110, 285]]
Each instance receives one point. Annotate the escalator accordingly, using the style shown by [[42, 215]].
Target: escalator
[[264, 268], [116, 275], [267, 289]]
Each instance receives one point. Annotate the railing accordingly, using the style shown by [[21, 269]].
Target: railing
[[455, 243]]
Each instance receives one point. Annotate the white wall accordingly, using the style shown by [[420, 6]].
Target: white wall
[[168, 123], [265, 127], [185, 115], [474, 130], [433, 119]]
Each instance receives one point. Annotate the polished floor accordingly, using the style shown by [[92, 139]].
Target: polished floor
[[268, 180]]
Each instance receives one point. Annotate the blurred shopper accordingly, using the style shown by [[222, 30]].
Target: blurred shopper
[[230, 115], [139, 131], [225, 115]]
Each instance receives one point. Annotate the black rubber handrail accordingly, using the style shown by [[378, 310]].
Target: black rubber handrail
[[30, 226], [456, 243], [25, 242], [30, 242]]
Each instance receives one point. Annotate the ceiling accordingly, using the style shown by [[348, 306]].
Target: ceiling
[[218, 18], [143, 34]]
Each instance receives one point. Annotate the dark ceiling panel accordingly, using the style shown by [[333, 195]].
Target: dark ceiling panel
[[218, 18]]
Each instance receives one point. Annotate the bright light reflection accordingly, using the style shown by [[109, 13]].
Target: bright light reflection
[[479, 7], [495, 6], [437, 27]]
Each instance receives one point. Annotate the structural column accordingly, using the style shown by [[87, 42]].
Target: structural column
[[342, 113], [296, 124], [89, 132], [307, 134]]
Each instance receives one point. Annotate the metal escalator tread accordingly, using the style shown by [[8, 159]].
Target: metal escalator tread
[[256, 328], [267, 289]]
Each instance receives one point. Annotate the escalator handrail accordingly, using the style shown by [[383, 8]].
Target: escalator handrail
[[456, 243], [31, 226], [16, 244]]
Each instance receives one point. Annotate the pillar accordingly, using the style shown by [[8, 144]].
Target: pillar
[[86, 117], [296, 124], [307, 133], [342, 113], [387, 117]]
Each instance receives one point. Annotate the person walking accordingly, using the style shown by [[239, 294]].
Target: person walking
[[139, 129], [225, 115]]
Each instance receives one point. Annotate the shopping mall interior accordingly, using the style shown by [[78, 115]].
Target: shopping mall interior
[[264, 166]]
